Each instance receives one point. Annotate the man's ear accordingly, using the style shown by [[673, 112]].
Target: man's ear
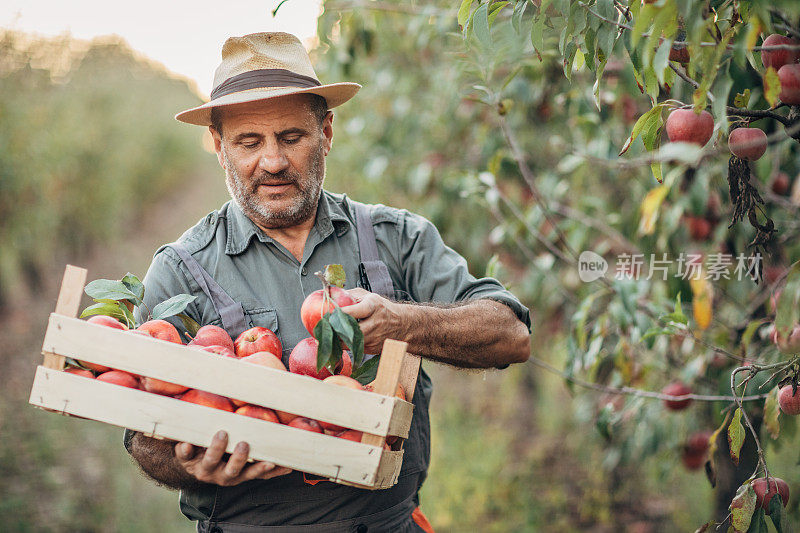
[[217, 145], [327, 131]]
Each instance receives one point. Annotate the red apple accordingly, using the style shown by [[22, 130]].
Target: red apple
[[107, 321], [684, 125], [160, 329], [342, 381], [256, 411], [748, 143], [211, 335], [264, 359], [219, 350], [789, 76], [104, 320], [677, 388], [679, 53], [165, 388], [315, 306], [695, 450], [119, 377], [781, 183], [789, 343], [208, 399], [700, 228], [303, 360], [763, 496], [350, 434], [257, 339], [284, 417], [306, 423], [80, 372], [780, 57], [789, 401]]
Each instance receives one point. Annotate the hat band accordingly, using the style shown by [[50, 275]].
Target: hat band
[[257, 79]]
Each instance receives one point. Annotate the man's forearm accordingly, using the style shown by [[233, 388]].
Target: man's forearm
[[478, 334], [157, 459]]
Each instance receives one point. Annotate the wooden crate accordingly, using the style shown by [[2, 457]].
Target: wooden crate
[[378, 414]]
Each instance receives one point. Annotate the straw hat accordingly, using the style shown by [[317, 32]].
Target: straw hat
[[265, 65]]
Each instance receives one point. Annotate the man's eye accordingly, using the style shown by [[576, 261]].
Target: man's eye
[[250, 145], [291, 140]]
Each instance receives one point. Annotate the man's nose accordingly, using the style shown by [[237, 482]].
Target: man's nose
[[272, 159]]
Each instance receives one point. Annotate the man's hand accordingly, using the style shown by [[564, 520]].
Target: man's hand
[[379, 318], [480, 333], [208, 466]]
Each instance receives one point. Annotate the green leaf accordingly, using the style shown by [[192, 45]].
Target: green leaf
[[516, 17], [366, 372], [347, 328], [537, 33], [736, 434], [758, 524], [777, 514], [653, 114], [463, 12], [173, 306], [605, 421], [752, 327], [480, 25], [742, 507], [335, 275], [721, 91], [134, 285], [109, 289], [788, 312], [113, 310], [324, 335], [742, 100], [129, 318], [189, 323], [772, 86], [496, 11], [661, 59]]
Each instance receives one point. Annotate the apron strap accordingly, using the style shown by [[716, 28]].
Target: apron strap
[[230, 312], [374, 272]]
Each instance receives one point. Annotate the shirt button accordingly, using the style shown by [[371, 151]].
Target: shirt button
[[304, 271], [361, 528]]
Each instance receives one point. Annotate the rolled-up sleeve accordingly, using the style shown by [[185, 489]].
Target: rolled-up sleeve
[[434, 272]]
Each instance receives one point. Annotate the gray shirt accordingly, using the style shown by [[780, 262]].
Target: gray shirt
[[271, 284]]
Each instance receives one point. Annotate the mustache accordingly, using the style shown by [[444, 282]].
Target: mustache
[[274, 179]]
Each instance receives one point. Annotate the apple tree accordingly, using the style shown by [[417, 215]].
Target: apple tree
[[635, 160], [707, 71]]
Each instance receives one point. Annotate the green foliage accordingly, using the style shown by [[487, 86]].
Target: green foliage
[[86, 141], [503, 121]]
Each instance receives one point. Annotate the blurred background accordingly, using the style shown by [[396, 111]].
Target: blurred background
[[94, 171]]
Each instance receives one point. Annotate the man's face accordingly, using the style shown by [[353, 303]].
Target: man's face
[[273, 152]]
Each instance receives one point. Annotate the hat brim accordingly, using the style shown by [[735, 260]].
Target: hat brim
[[335, 94]]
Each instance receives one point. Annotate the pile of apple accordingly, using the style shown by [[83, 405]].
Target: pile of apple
[[258, 346]]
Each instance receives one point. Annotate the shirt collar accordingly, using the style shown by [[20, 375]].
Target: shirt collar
[[241, 230]]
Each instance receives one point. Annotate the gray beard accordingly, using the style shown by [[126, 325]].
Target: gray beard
[[303, 207]]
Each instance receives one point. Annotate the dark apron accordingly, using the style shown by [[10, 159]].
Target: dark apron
[[326, 507]]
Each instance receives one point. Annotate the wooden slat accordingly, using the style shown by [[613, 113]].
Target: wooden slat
[[408, 374], [255, 384], [68, 303], [388, 471], [392, 356], [174, 419]]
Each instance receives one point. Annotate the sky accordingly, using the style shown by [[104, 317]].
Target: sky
[[186, 37]]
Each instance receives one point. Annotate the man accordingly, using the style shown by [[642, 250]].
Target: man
[[252, 262]]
